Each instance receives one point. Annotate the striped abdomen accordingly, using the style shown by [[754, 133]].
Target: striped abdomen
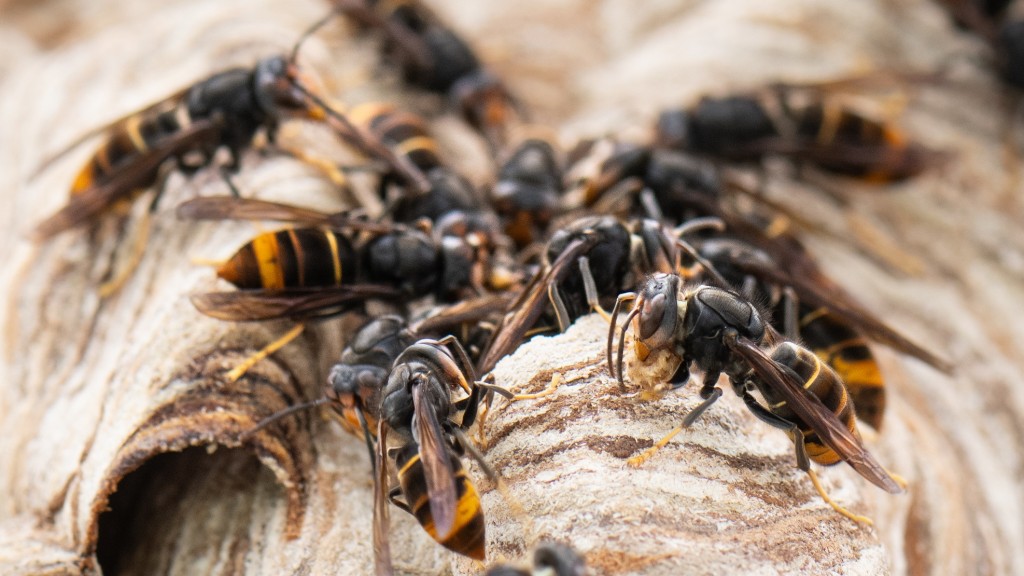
[[467, 533], [125, 143], [403, 132], [864, 148], [292, 258], [824, 383], [848, 354]]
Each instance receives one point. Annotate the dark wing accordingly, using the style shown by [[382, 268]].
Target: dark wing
[[794, 267], [322, 110], [111, 126], [857, 159], [528, 307], [437, 465], [810, 409], [381, 517], [299, 304], [234, 208], [89, 203], [446, 319]]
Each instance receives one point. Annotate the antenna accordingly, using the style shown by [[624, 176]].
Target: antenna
[[309, 32], [281, 414]]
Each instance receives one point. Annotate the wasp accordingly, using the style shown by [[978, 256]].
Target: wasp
[[407, 136], [450, 207], [719, 332], [390, 378], [681, 186], [675, 186], [765, 262], [528, 191], [810, 307], [356, 382], [798, 122], [307, 271], [430, 399], [435, 58], [333, 264], [550, 559], [609, 255], [186, 129]]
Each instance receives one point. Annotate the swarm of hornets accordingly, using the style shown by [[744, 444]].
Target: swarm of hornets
[[467, 275]]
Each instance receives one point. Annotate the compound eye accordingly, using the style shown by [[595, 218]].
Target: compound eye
[[652, 315], [276, 88]]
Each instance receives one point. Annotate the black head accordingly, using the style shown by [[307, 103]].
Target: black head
[[559, 558], [531, 178], [528, 189], [485, 102], [549, 560], [658, 314], [657, 318], [460, 264], [349, 386], [279, 88]]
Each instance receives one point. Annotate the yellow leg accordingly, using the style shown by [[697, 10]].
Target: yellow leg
[[329, 169], [882, 247], [556, 380], [638, 460], [778, 226], [604, 313], [240, 370], [481, 419], [517, 510], [899, 479], [821, 491], [110, 287]]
